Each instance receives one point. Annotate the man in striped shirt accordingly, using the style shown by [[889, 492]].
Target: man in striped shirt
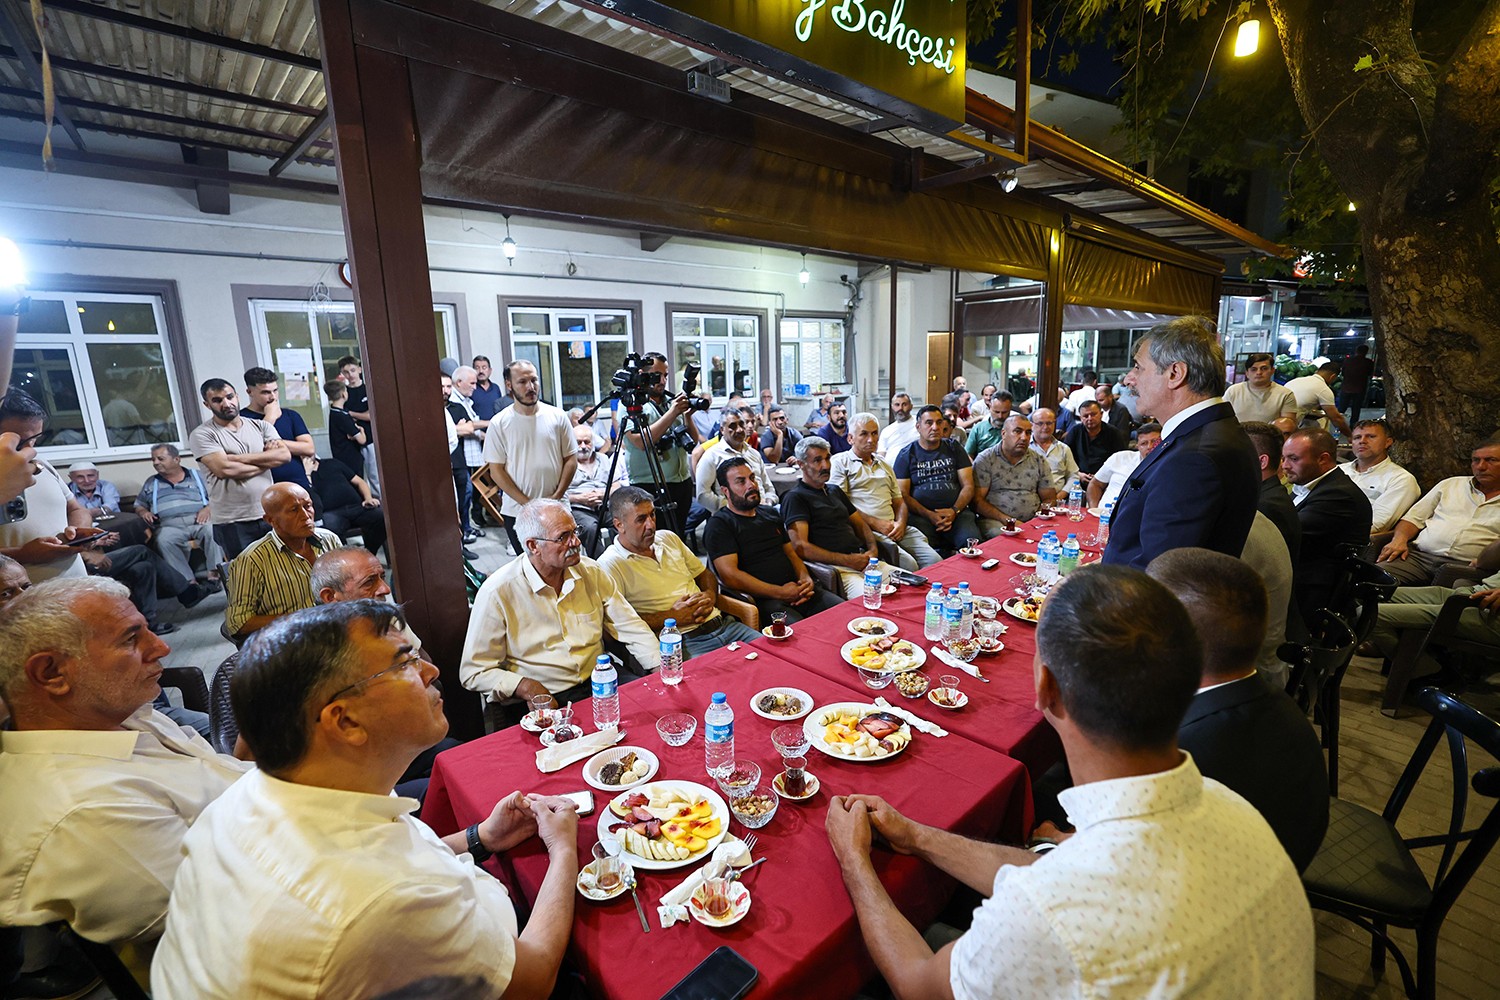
[[272, 576], [175, 502]]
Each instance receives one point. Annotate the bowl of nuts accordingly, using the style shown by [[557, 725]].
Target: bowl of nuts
[[912, 684], [755, 808]]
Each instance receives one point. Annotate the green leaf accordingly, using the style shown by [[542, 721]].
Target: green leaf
[[1363, 63]]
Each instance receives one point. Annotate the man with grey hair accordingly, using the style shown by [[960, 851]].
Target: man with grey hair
[[823, 525], [539, 621], [471, 433], [901, 431], [869, 482], [1046, 443], [175, 502], [89, 765], [735, 426], [1200, 486]]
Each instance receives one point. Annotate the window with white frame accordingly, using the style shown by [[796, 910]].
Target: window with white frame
[[302, 342], [101, 365], [575, 350], [812, 353], [727, 345]]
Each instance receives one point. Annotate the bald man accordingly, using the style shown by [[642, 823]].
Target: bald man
[[271, 577]]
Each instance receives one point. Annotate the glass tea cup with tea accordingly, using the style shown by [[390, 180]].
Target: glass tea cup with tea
[[608, 868], [778, 624]]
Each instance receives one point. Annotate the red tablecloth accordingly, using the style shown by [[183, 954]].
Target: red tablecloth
[[800, 933]]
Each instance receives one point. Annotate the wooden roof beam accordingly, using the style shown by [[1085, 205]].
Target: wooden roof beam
[[158, 27], [301, 144]]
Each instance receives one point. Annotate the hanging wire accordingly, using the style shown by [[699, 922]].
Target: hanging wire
[[49, 89]]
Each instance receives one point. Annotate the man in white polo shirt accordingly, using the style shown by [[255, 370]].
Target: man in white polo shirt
[[529, 448], [1107, 483], [1452, 525], [661, 578], [1391, 489], [867, 479]]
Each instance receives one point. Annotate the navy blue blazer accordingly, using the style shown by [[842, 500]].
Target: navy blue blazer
[[1198, 488]]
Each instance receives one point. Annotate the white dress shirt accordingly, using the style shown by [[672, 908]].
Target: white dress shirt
[[1114, 472], [1175, 420], [1391, 489], [1060, 460], [708, 467], [897, 435], [521, 627], [292, 891], [1173, 886], [1456, 520], [92, 822]]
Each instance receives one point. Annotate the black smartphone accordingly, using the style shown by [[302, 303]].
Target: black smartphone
[[723, 975], [84, 540]]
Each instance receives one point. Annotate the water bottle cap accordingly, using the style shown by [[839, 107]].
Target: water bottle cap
[[874, 561], [669, 623], [937, 587], [963, 586], [953, 591], [602, 660], [1072, 536], [720, 698]]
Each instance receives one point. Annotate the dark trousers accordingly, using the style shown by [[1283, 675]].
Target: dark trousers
[[463, 489], [369, 520], [1352, 402], [821, 600], [510, 532], [132, 566], [588, 530], [234, 536]]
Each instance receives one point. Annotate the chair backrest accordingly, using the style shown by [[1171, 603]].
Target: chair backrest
[[188, 680], [1322, 662], [1367, 587], [1460, 723], [220, 713]]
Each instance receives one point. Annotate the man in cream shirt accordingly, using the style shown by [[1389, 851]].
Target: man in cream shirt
[[1391, 489], [97, 789], [868, 480], [735, 426], [539, 621], [310, 879], [1059, 456], [1259, 399]]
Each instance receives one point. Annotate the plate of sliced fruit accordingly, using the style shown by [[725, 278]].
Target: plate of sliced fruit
[[898, 653], [857, 731], [666, 824]]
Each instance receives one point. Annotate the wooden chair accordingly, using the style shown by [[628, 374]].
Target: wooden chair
[[1317, 674], [1365, 870], [1415, 643]]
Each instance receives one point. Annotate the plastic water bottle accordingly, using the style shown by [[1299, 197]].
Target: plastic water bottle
[[718, 736], [1069, 560], [671, 653], [606, 684], [1051, 554], [874, 582], [966, 624], [953, 616], [1104, 516], [1075, 498], [932, 623]]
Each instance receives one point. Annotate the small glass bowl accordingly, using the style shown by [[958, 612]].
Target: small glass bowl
[[963, 649], [742, 776], [790, 740], [756, 807], [677, 728]]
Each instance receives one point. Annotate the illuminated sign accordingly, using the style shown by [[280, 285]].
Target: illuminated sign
[[900, 57]]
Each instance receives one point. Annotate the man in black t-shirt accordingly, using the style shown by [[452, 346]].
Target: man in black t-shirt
[[345, 437], [1092, 440], [347, 502], [751, 552], [352, 374], [814, 509]]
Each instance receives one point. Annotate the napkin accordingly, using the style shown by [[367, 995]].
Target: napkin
[[560, 755], [731, 853], [920, 725], [954, 661]]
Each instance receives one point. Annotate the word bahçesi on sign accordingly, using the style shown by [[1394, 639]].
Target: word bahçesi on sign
[[887, 27]]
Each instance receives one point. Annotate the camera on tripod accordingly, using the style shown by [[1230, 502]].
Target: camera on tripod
[[634, 380]]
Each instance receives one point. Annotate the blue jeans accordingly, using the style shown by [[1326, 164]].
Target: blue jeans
[[731, 630], [183, 716]]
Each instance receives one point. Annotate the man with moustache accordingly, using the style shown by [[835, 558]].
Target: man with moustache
[[590, 483], [271, 577], [870, 483], [1044, 442], [735, 427], [987, 432], [779, 438], [836, 431], [1010, 480], [486, 395], [824, 526], [529, 448], [237, 453], [1092, 440], [900, 432]]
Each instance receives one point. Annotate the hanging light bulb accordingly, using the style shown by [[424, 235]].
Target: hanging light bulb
[[803, 275], [1247, 39], [509, 246], [110, 326]]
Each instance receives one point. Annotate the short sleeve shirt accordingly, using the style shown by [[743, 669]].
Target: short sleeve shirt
[[1015, 489], [234, 499], [359, 399], [341, 430], [826, 512], [758, 541], [290, 426], [933, 474], [1312, 395], [1251, 404], [532, 447], [334, 483], [674, 461]]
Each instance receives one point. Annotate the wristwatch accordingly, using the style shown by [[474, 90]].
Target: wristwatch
[[477, 850]]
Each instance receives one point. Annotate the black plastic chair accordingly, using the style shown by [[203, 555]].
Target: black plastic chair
[[224, 729], [1365, 870], [107, 964], [189, 681], [1317, 674], [1367, 587], [1415, 643]]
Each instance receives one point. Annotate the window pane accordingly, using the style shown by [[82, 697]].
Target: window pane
[[540, 355], [746, 368], [46, 374], [686, 327], [611, 355], [132, 383], [45, 316], [572, 324], [288, 330], [812, 364], [611, 324], [529, 324], [576, 363], [686, 351], [744, 327], [117, 317], [439, 320], [715, 326], [788, 367], [833, 361]]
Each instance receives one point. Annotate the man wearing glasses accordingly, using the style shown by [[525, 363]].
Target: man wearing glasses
[[539, 621], [309, 878]]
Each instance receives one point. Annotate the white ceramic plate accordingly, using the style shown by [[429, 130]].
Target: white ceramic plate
[[777, 638], [1027, 559], [1047, 516], [798, 693], [608, 818], [962, 700], [1011, 533], [1012, 605], [886, 627], [785, 472], [548, 741], [888, 589], [587, 890], [529, 723], [810, 786], [596, 763], [814, 730], [918, 656], [739, 900], [971, 553]]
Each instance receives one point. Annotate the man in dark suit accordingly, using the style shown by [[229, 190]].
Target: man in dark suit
[[1274, 501], [1240, 730], [1332, 511], [1198, 488]]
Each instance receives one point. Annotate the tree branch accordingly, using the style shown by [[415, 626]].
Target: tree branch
[[1466, 118]]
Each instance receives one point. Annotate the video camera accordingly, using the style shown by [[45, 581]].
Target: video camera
[[690, 387], [633, 381]]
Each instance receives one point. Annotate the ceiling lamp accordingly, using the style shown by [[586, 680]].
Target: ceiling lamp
[[803, 275], [509, 246], [1008, 181], [1247, 39]]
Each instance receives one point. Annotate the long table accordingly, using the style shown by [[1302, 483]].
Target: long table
[[801, 932]]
